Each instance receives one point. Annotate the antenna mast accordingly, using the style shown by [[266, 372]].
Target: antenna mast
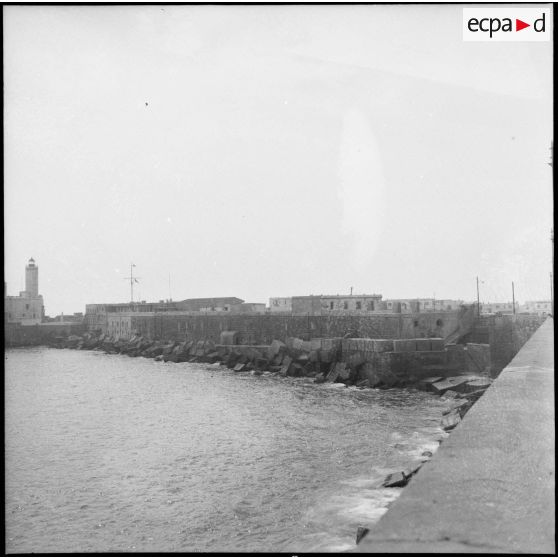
[[132, 281]]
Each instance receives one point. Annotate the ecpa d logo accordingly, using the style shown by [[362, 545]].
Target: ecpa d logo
[[506, 24]]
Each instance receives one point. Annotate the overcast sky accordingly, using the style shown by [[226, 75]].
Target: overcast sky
[[259, 151]]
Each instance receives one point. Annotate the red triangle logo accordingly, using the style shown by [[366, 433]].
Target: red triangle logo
[[519, 25]]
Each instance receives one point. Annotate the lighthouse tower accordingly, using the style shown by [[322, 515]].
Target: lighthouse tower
[[32, 279]]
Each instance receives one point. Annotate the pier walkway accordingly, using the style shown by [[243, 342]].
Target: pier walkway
[[490, 488]]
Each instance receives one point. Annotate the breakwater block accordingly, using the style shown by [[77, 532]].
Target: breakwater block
[[343, 372], [412, 468], [333, 373], [286, 364], [456, 405], [475, 385], [394, 480], [451, 383], [356, 360], [275, 347], [361, 533], [239, 367], [449, 422], [426, 383]]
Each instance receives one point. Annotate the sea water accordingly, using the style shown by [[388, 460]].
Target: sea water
[[107, 453]]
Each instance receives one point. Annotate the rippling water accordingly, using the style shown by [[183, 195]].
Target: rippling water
[[117, 454]]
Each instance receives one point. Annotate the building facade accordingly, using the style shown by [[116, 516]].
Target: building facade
[[281, 304], [27, 308], [540, 307], [423, 304], [498, 307], [317, 305], [218, 304]]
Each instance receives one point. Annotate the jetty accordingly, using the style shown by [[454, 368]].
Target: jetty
[[490, 488]]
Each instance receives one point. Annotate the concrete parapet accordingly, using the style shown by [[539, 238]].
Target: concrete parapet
[[404, 345], [436, 344], [423, 345], [490, 488], [383, 345]]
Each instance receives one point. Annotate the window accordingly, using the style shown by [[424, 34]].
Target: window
[[345, 305], [331, 305], [359, 305], [27, 307], [370, 305]]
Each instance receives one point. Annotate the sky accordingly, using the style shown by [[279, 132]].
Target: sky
[[260, 151]]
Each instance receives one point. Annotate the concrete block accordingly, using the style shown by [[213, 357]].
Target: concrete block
[[355, 360], [423, 344], [404, 345], [306, 346], [286, 363], [383, 345], [333, 373], [315, 344], [394, 480], [437, 344], [297, 344], [452, 383], [449, 422], [275, 347], [343, 372], [326, 355]]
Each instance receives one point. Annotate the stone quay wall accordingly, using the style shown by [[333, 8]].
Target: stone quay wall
[[258, 329], [505, 334], [16, 335]]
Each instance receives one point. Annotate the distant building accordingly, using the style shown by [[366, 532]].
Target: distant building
[[280, 304], [75, 318], [350, 302], [219, 304], [540, 307], [103, 317], [27, 308], [498, 307], [422, 304], [324, 304], [96, 315], [248, 308]]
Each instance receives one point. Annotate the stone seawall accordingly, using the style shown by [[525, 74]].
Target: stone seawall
[[16, 335], [505, 334], [258, 329]]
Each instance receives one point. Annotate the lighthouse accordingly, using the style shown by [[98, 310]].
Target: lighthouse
[[27, 308], [32, 279]]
